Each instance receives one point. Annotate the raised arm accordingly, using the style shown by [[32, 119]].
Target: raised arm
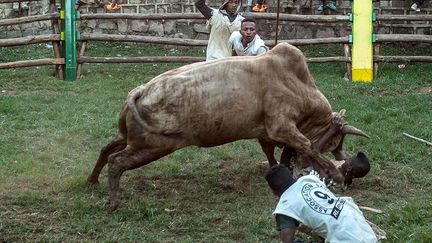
[[203, 8]]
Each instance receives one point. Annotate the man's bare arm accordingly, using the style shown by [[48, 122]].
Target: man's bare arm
[[287, 235], [338, 153], [204, 9]]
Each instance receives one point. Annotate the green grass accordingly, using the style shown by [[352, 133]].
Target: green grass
[[52, 132]]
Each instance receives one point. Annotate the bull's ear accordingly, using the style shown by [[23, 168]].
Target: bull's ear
[[348, 129], [342, 112]]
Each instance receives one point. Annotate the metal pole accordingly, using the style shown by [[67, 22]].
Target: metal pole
[[68, 37]]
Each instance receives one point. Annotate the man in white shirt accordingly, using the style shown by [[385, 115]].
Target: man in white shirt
[[246, 42], [310, 202], [221, 22]]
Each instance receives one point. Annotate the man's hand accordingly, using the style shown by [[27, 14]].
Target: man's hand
[[337, 123]]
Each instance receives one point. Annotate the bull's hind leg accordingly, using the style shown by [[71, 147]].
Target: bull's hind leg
[[127, 159], [116, 145]]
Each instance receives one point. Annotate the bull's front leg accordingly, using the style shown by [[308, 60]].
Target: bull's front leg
[[290, 135], [288, 155], [330, 169], [336, 125], [268, 148]]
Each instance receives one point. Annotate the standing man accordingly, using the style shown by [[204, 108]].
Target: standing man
[[246, 42], [310, 202], [221, 22]]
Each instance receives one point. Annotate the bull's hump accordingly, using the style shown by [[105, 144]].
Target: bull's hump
[[284, 48]]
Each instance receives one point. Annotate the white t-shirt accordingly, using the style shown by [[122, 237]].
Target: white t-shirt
[[220, 31], [254, 48], [337, 219]]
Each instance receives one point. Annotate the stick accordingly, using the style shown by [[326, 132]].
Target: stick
[[370, 209], [277, 21], [418, 139]]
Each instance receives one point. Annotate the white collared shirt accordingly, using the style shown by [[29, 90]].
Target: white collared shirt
[[337, 219], [254, 48]]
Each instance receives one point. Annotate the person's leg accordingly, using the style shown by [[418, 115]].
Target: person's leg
[[331, 5], [287, 4], [419, 2], [260, 6], [416, 5], [115, 4], [321, 6], [248, 7]]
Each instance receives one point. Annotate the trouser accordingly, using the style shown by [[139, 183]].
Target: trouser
[[249, 2], [418, 2]]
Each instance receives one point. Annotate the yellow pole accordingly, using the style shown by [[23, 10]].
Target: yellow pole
[[362, 50]]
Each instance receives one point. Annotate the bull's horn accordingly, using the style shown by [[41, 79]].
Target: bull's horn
[[348, 129], [342, 112]]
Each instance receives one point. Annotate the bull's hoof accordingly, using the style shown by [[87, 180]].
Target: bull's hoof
[[337, 177], [114, 205], [91, 180]]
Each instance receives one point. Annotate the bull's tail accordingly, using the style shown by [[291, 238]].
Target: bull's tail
[[133, 96]]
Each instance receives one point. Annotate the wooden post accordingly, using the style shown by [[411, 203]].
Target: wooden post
[[376, 53], [81, 54], [348, 64], [56, 48]]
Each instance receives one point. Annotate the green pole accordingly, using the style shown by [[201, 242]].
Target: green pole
[[69, 38]]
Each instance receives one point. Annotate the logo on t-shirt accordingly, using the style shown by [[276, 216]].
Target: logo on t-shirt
[[322, 200]]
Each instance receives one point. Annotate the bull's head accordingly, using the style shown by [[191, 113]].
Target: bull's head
[[335, 142], [356, 166]]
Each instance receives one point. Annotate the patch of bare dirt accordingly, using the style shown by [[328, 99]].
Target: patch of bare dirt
[[223, 167], [237, 184], [5, 92], [423, 90], [9, 92], [426, 90]]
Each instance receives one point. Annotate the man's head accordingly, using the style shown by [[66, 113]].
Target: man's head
[[248, 30], [279, 178], [355, 167], [231, 6]]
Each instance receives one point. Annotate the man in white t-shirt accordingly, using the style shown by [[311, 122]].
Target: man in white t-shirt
[[221, 22], [310, 202], [246, 42]]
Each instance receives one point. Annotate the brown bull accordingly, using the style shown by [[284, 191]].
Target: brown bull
[[272, 98]]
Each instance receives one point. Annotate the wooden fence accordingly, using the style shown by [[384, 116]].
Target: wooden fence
[[54, 38]]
